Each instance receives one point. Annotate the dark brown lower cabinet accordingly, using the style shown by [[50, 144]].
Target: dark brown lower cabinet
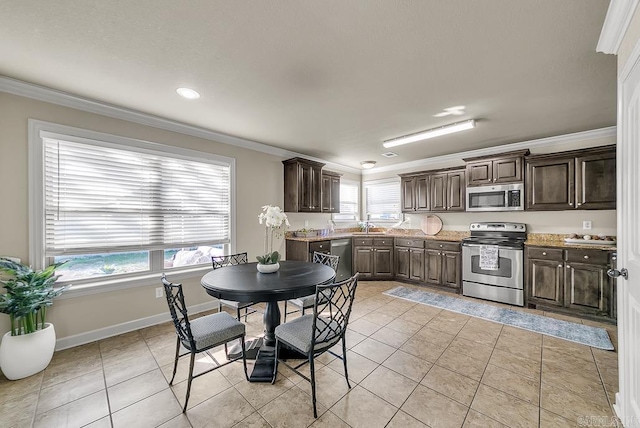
[[572, 280], [373, 258], [443, 264], [409, 259]]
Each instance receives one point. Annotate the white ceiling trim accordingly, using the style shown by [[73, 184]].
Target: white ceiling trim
[[615, 25], [420, 164], [42, 93]]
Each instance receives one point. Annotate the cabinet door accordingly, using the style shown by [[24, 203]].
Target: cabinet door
[[438, 187], [596, 181], [587, 289], [402, 262], [383, 262], [545, 282], [316, 189], [407, 194], [422, 193], [305, 187], [550, 184], [335, 194], [432, 267], [456, 190], [416, 264], [507, 170], [363, 261], [480, 173], [451, 268], [327, 206]]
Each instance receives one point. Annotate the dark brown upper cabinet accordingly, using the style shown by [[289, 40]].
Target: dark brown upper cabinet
[[415, 193], [330, 192], [579, 179], [448, 190], [496, 169], [302, 185]]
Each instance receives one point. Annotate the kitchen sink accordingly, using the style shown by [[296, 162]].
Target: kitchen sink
[[368, 233]]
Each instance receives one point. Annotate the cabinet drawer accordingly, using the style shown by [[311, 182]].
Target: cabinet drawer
[[383, 242], [320, 246], [408, 242], [443, 245], [359, 242], [545, 253], [597, 257]]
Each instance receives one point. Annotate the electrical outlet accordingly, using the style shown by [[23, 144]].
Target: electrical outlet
[[586, 225], [159, 292], [306, 223]]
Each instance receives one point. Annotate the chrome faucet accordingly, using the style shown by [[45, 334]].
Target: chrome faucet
[[367, 224]]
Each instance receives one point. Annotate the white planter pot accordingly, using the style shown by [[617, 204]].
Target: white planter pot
[[268, 268], [26, 355]]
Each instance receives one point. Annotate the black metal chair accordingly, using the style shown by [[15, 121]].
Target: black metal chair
[[307, 302], [201, 334], [233, 259], [315, 334]]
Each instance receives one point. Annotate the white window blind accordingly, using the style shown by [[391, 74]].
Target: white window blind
[[102, 199], [349, 197], [383, 200]]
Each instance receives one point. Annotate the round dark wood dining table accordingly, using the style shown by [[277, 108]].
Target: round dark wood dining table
[[243, 283]]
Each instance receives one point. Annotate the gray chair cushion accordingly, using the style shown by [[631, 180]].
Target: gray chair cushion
[[234, 304], [299, 332], [214, 329], [308, 301]]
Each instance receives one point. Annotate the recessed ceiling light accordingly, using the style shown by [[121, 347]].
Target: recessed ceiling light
[[431, 133], [368, 164], [188, 93], [389, 155], [455, 111]]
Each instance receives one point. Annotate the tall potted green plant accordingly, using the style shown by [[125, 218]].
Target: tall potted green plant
[[28, 347]]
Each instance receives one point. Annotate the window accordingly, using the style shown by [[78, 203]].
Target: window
[[115, 207], [349, 201], [382, 200]]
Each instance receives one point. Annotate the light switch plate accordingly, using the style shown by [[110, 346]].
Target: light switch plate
[[586, 225], [306, 223], [158, 292]]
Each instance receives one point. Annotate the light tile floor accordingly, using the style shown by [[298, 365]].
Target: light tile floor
[[410, 365]]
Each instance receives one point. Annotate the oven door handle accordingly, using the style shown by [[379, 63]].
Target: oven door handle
[[500, 247]]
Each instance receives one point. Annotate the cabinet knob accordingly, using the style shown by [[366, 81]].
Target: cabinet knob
[[579, 203], [571, 203], [559, 266], [586, 257], [320, 246], [568, 267], [544, 253], [440, 245]]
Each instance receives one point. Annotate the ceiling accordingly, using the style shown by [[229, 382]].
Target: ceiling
[[329, 79]]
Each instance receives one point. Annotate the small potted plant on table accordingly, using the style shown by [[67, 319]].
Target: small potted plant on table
[[28, 348], [275, 222]]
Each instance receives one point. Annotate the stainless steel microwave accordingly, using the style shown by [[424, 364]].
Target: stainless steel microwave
[[504, 197]]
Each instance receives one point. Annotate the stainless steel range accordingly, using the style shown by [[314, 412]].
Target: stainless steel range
[[492, 262]]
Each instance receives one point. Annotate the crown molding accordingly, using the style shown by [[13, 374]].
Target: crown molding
[[421, 164], [53, 96], [615, 25]]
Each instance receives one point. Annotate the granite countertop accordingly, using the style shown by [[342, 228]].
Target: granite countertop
[[443, 235], [557, 240]]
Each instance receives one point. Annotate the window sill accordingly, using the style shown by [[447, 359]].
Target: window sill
[[109, 285]]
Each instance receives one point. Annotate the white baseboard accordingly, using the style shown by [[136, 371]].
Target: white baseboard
[[114, 330]]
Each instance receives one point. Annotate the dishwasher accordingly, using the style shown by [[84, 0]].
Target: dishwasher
[[342, 248]]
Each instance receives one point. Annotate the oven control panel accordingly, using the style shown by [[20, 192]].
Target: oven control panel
[[498, 227]]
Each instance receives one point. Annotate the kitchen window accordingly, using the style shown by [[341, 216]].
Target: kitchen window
[[382, 200], [349, 201], [115, 208]]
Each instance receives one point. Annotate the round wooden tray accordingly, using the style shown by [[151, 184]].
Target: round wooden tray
[[431, 225]]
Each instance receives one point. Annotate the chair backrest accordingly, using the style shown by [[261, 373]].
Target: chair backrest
[[232, 259], [326, 259], [332, 310], [178, 310]]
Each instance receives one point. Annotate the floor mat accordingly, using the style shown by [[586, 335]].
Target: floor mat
[[579, 333]]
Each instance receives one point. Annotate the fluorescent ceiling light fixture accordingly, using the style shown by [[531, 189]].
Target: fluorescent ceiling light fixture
[[188, 93], [455, 111], [368, 164], [431, 133]]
